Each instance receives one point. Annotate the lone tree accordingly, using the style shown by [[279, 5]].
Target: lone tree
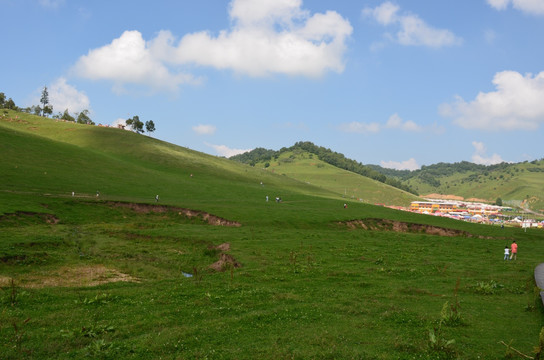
[[44, 100], [83, 118], [149, 126], [135, 124], [66, 116]]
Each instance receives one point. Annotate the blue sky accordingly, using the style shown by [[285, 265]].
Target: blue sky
[[395, 83]]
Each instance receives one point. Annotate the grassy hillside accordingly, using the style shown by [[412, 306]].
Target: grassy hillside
[[46, 156], [309, 169], [120, 276], [520, 184]]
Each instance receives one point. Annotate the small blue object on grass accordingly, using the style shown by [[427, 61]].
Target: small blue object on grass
[[187, 275]]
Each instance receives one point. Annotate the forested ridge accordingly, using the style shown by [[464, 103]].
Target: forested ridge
[[326, 155]]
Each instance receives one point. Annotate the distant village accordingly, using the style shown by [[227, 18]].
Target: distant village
[[474, 212]]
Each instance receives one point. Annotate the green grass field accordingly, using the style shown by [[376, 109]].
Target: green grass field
[[105, 277], [309, 169], [520, 183]]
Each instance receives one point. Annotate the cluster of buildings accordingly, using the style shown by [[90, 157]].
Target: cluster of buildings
[[475, 212]]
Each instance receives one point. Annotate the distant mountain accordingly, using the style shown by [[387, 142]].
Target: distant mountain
[[261, 155], [517, 184], [308, 168]]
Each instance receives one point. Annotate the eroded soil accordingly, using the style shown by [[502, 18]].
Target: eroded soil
[[70, 277], [147, 208], [404, 227]]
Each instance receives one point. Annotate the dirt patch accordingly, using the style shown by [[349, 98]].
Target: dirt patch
[[147, 208], [478, 200], [43, 217], [443, 197], [223, 247], [71, 277], [225, 262], [404, 227]]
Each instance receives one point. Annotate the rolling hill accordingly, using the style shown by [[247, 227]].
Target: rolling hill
[[310, 169], [213, 270], [516, 184]]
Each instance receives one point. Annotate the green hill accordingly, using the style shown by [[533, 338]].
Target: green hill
[[212, 270], [516, 184], [308, 168]]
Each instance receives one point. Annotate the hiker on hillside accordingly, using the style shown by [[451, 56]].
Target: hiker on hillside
[[514, 251], [506, 253]]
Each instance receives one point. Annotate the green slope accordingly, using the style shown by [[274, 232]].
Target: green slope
[[46, 156], [516, 184], [308, 168], [316, 280]]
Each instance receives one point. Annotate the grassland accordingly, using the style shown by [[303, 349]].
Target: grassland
[[96, 277], [307, 168], [519, 184]]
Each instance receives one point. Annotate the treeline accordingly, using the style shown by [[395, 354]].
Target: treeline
[[446, 169], [46, 109], [432, 174], [325, 155]]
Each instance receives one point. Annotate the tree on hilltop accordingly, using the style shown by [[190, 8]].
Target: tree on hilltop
[[83, 118], [149, 126], [135, 124], [66, 116], [44, 100], [10, 104]]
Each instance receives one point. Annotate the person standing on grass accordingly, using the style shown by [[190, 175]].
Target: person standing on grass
[[514, 252], [506, 253]]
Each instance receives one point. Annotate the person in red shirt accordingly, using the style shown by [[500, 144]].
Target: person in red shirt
[[514, 251]]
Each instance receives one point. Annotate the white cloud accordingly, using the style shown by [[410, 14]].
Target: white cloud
[[266, 37], [64, 96], [51, 3], [204, 129], [223, 150], [515, 105], [119, 121], [480, 156], [410, 164], [129, 60], [535, 7], [385, 14], [359, 128], [395, 122], [412, 31], [490, 36]]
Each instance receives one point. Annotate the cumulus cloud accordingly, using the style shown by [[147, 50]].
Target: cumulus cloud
[[359, 127], [410, 164], [535, 7], [51, 3], [64, 96], [204, 129], [395, 122], [129, 60], [266, 37], [119, 121], [480, 156], [411, 29], [223, 150], [516, 104]]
